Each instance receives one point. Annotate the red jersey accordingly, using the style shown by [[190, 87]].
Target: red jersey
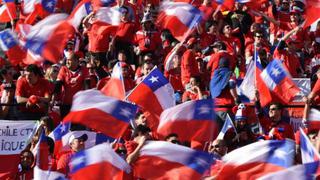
[[73, 81], [232, 43], [213, 63], [174, 77], [99, 38], [147, 40], [286, 132], [126, 31], [189, 66]]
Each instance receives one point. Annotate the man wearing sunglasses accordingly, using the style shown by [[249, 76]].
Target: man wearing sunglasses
[[274, 125]]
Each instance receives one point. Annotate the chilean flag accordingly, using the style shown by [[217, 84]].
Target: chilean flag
[[93, 139], [257, 159], [299, 172], [308, 152], [57, 134], [164, 160], [279, 81], [82, 10], [196, 117], [105, 114], [109, 16], [226, 126], [9, 43], [154, 94], [39, 7], [97, 4], [42, 170], [179, 17], [98, 162], [48, 37], [312, 12], [115, 86], [226, 4], [314, 118], [8, 11]]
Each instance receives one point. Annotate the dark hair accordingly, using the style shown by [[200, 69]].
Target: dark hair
[[210, 23], [49, 122], [141, 129], [277, 104], [171, 135], [28, 151], [34, 69], [50, 143]]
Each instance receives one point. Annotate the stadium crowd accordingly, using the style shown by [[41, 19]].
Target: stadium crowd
[[208, 63]]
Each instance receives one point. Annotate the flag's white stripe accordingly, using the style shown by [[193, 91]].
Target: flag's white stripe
[[182, 112], [165, 96], [268, 80]]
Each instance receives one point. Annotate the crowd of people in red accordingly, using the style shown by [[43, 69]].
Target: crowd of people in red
[[224, 43]]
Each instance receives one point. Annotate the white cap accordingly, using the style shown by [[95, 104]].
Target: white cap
[[77, 135]]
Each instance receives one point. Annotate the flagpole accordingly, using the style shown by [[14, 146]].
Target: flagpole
[[255, 64]]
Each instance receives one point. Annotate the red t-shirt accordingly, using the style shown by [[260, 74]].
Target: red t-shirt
[[189, 66], [126, 31], [41, 89], [147, 41], [73, 81], [99, 37], [287, 132], [174, 77], [213, 63], [232, 43]]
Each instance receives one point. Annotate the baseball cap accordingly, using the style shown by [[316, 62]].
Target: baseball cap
[[77, 135]]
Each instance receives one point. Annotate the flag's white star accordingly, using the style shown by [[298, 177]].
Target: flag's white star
[[125, 112], [77, 161], [200, 162], [8, 40], [63, 128], [154, 79], [204, 109], [49, 4], [275, 71]]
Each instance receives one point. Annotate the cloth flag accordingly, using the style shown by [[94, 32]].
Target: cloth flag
[[98, 162], [308, 152], [247, 86], [298, 172], [227, 125], [48, 37], [9, 43], [257, 159], [179, 17], [8, 11], [312, 12], [192, 120], [115, 86], [57, 135], [97, 4], [42, 170], [154, 94], [109, 16], [225, 4], [93, 139], [102, 113], [164, 160], [314, 118], [279, 81], [82, 10]]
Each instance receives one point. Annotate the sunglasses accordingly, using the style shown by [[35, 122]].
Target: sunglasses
[[273, 109], [259, 36]]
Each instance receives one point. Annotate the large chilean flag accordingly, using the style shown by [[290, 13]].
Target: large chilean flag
[[192, 120], [98, 162], [48, 37], [179, 18], [164, 160], [154, 94], [257, 159], [105, 114]]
